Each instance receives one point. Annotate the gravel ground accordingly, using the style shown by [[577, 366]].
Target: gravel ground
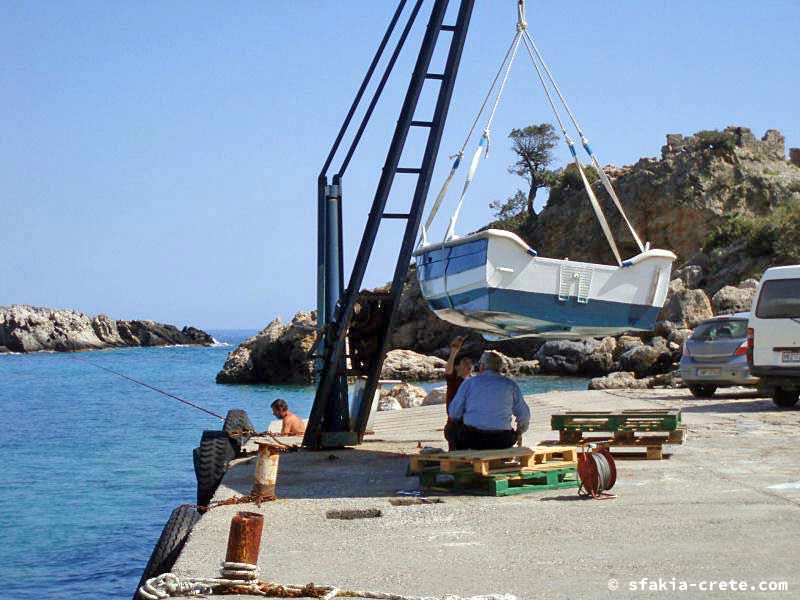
[[725, 506]]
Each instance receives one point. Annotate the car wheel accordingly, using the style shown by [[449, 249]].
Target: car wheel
[[785, 398], [702, 391]]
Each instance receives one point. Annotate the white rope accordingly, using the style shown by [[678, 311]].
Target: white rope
[[170, 585], [485, 141], [585, 142], [598, 211], [460, 154]]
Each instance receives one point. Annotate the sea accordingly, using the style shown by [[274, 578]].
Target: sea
[[93, 464]]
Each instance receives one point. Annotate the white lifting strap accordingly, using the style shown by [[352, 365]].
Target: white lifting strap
[[585, 142], [460, 154], [483, 144], [592, 198]]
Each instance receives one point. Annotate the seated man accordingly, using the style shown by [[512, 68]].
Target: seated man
[[292, 424], [485, 403]]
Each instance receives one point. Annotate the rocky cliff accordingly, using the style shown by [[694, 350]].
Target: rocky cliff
[[33, 329], [674, 201]]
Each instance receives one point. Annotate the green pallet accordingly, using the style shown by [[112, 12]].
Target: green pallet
[[626, 420], [504, 484]]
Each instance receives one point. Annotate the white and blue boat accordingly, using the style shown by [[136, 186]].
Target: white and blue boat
[[493, 282]]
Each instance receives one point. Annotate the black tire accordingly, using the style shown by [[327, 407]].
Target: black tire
[[169, 544], [211, 460], [702, 391], [785, 398], [237, 420]]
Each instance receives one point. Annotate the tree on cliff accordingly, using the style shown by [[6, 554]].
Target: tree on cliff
[[533, 146]]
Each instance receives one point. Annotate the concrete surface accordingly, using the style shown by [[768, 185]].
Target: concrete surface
[[725, 506]]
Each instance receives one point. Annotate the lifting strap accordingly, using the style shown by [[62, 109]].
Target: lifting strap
[[584, 141], [485, 141], [592, 198], [460, 154], [523, 35]]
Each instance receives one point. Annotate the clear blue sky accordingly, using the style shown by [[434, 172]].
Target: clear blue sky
[[158, 159]]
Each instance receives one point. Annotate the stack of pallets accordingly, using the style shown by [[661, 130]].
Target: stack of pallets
[[497, 472], [648, 430]]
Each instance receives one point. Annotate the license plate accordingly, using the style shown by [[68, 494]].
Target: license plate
[[790, 356], [707, 372]]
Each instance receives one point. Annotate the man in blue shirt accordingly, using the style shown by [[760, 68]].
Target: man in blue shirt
[[486, 403]]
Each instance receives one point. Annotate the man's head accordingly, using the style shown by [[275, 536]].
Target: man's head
[[280, 408], [464, 367], [490, 361]]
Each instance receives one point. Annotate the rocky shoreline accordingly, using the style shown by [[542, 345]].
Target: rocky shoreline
[[26, 328]]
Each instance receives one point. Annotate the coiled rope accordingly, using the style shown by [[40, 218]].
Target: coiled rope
[[169, 584]]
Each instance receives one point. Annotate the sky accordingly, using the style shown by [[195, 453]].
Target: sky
[[159, 160]]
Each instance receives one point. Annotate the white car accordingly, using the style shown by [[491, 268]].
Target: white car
[[773, 334]]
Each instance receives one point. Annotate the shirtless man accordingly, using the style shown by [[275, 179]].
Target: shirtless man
[[292, 424]]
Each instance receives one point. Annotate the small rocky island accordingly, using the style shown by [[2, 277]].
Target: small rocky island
[[35, 329]]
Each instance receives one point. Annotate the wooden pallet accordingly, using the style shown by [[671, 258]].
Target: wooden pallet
[[649, 445], [487, 462], [625, 437], [500, 484], [626, 420]]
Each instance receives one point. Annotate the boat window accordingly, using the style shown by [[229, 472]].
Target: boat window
[[720, 330], [779, 299], [455, 259]]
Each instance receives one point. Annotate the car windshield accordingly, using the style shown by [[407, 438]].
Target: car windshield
[[780, 298], [729, 329]]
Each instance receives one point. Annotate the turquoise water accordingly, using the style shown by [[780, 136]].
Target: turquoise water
[[93, 464]]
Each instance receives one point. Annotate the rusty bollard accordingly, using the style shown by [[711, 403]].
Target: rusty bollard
[[244, 542], [266, 470]]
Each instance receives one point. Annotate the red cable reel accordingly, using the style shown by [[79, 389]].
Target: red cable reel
[[597, 472]]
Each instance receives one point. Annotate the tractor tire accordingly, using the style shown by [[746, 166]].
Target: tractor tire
[[785, 398], [211, 460], [170, 543], [702, 391], [237, 420]]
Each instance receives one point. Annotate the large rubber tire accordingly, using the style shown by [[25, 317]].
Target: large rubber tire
[[211, 460], [785, 398], [237, 420], [169, 544], [702, 391]]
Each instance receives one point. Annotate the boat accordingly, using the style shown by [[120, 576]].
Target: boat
[[494, 283]]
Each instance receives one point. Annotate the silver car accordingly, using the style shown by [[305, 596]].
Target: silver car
[[716, 355]]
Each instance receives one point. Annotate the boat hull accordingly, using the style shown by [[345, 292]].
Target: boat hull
[[493, 283]]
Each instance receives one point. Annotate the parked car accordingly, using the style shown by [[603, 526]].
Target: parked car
[[774, 334], [716, 355]]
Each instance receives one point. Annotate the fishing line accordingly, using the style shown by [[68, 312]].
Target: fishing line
[[150, 387]]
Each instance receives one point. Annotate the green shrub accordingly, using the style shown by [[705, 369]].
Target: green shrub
[[569, 177], [718, 141], [776, 235]]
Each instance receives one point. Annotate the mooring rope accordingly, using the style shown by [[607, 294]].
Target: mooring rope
[[148, 386], [169, 584]]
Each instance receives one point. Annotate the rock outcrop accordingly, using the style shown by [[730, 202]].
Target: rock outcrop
[[732, 299], [277, 354], [674, 201], [412, 366], [35, 329]]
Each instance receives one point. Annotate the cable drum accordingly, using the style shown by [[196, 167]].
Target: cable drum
[[597, 472]]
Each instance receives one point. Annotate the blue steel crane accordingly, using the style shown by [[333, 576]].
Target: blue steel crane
[[335, 419]]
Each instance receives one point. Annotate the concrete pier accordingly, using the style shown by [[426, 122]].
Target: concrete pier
[[725, 506]]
